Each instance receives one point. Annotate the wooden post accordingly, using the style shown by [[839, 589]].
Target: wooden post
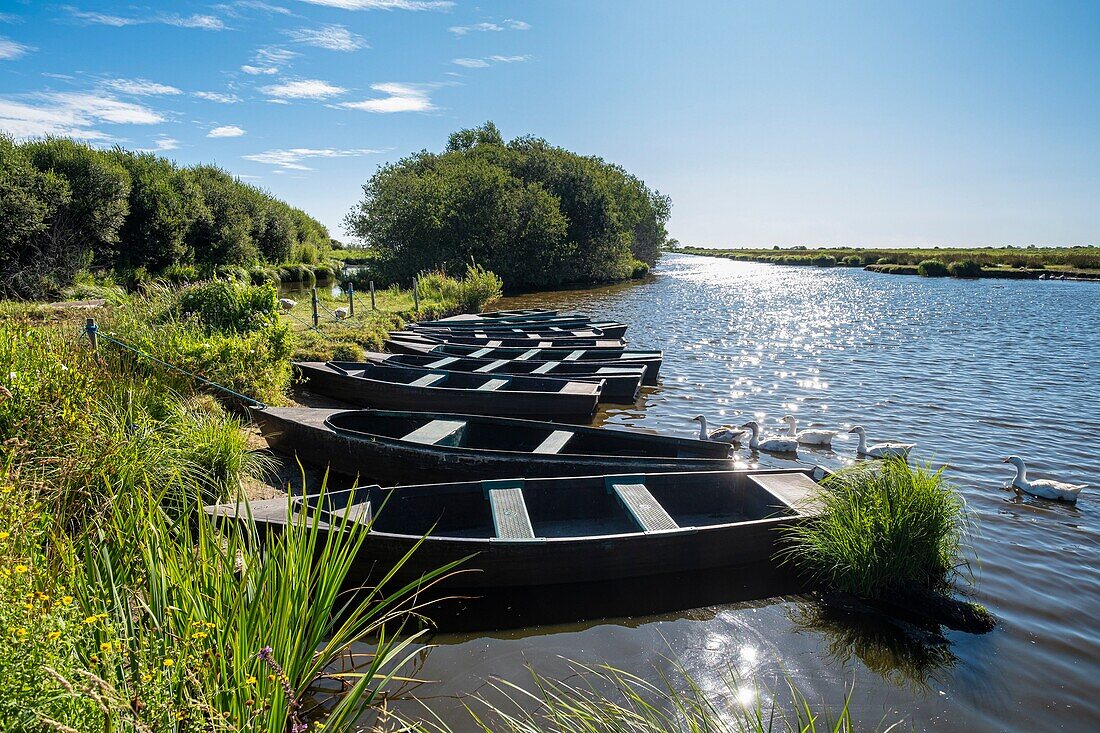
[[416, 295], [92, 329], [351, 299], [316, 315], [372, 295]]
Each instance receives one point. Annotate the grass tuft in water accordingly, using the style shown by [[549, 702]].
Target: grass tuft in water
[[885, 525]]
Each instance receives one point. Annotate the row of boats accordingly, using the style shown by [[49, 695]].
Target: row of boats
[[535, 502]]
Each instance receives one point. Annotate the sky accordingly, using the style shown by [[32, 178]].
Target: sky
[[768, 123]]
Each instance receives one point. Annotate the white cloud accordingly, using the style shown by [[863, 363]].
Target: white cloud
[[274, 55], [165, 143], [140, 87], [259, 70], [383, 4], [507, 25], [236, 7], [70, 114], [204, 22], [303, 89], [292, 159], [218, 97], [9, 18], [401, 98], [482, 63], [11, 50], [226, 131], [332, 37]]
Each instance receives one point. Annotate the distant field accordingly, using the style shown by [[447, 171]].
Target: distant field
[[1027, 262]]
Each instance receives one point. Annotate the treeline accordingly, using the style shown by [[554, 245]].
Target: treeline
[[536, 214], [67, 208], [1079, 257]]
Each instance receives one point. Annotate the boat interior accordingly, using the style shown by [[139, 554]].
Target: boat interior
[[461, 380], [518, 509], [518, 436], [457, 363]]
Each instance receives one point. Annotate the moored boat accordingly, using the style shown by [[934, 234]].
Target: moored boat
[[520, 314], [407, 388], [476, 339], [621, 383], [391, 446], [651, 360], [548, 532], [607, 329]]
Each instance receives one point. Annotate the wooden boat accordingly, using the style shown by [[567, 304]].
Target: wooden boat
[[390, 446], [621, 383], [533, 335], [407, 388], [607, 329], [426, 337], [517, 314], [553, 531], [476, 319], [651, 360]]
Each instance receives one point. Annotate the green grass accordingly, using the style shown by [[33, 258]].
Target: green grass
[[885, 525], [1078, 261]]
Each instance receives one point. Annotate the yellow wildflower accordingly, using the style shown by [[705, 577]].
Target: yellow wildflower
[[91, 619], [21, 568], [251, 680], [5, 535], [67, 600], [20, 632], [146, 677], [198, 635], [28, 606], [105, 646], [169, 662], [53, 635]]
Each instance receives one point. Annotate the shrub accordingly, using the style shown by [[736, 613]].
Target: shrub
[[641, 269], [181, 274], [852, 261], [260, 274], [823, 261], [884, 525], [297, 273], [234, 307], [932, 268], [964, 268], [348, 351], [886, 261]]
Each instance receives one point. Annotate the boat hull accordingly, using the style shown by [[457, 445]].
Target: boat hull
[[326, 380]]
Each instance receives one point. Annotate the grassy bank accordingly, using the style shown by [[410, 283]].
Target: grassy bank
[[1004, 262]]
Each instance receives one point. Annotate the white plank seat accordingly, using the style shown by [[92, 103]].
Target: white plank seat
[[492, 366], [510, 518], [481, 352], [554, 442], [545, 367], [573, 356], [795, 491], [427, 380], [492, 384], [528, 354], [642, 507], [435, 432], [442, 362]]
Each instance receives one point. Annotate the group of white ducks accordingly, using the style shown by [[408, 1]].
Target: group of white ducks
[[789, 443]]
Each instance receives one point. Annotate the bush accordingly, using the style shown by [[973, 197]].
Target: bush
[[640, 270], [932, 268], [228, 306], [823, 261], [852, 261], [884, 526], [297, 273], [964, 268], [886, 261], [348, 351], [181, 274]]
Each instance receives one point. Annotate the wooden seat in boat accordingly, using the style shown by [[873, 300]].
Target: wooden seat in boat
[[492, 384], [643, 508], [441, 363], [435, 432], [573, 356], [527, 355], [544, 368], [793, 489], [510, 518], [491, 366], [427, 380], [554, 442]]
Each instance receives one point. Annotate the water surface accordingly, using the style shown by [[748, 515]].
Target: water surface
[[971, 371]]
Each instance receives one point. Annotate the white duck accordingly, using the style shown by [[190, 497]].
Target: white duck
[[723, 434], [880, 450], [1043, 488], [808, 437], [770, 444], [286, 303]]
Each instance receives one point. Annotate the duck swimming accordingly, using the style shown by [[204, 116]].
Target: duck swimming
[[808, 437], [1042, 488], [771, 444], [723, 434], [880, 450]]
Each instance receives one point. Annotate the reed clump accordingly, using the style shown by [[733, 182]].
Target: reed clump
[[932, 268], [884, 526]]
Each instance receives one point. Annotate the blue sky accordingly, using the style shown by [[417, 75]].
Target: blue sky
[[768, 123]]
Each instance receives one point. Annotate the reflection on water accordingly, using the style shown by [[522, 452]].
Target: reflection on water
[[971, 371]]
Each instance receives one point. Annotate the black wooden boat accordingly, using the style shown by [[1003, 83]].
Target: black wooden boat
[[651, 360], [390, 446], [569, 342], [520, 314], [607, 329], [621, 383], [407, 388], [533, 335], [554, 531], [569, 320]]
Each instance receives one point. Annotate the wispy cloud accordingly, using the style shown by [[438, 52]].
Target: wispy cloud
[[11, 50], [9, 18], [303, 89], [292, 159], [399, 98], [274, 55], [141, 87], [234, 8], [489, 61], [70, 114], [332, 37], [204, 22], [383, 4], [226, 131], [259, 70], [219, 97], [504, 25], [164, 142]]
